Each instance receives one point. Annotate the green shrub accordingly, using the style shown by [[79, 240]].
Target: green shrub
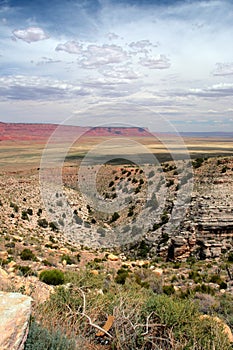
[[15, 207], [197, 163], [195, 276], [53, 277], [27, 254], [41, 339], [68, 259], [223, 285], [39, 212], [204, 288], [30, 211], [168, 289], [24, 215], [230, 257], [25, 270], [122, 274], [42, 223], [143, 250], [53, 226], [170, 183], [115, 216]]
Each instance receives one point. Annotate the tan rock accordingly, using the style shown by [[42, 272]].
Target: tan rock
[[94, 272], [11, 269], [113, 257], [4, 279], [3, 274], [15, 310], [142, 262], [158, 271], [11, 264], [64, 250], [3, 255], [38, 290]]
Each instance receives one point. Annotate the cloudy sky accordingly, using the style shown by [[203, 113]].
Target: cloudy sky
[[173, 57]]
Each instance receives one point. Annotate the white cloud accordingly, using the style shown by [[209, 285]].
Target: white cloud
[[21, 87], [141, 45], [223, 69], [157, 62], [72, 47], [98, 55], [119, 72], [31, 34], [220, 90], [112, 36]]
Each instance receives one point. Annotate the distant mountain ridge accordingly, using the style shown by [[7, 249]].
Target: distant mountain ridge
[[208, 134], [41, 132]]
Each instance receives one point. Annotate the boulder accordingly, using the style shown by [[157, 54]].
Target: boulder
[[15, 310], [113, 257]]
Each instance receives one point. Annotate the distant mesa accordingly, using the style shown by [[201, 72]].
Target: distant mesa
[[42, 132]]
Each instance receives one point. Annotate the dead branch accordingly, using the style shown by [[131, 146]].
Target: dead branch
[[83, 313]]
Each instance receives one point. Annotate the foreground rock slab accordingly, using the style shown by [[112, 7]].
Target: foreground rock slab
[[15, 310]]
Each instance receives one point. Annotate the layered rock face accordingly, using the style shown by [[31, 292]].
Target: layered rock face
[[207, 230], [15, 310]]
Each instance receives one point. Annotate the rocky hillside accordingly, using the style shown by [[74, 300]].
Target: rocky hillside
[[186, 252]]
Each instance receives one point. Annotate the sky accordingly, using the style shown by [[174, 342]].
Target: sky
[[58, 58]]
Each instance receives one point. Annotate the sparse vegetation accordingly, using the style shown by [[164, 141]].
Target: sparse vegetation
[[27, 254]]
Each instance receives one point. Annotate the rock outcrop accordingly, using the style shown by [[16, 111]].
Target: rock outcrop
[[15, 310]]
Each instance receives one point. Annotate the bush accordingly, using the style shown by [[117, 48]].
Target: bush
[[41, 339], [169, 289], [53, 226], [181, 321], [53, 277], [39, 212], [24, 215], [27, 254], [42, 223], [197, 163], [122, 274], [115, 216], [25, 270], [230, 257], [68, 259], [30, 211], [15, 207]]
